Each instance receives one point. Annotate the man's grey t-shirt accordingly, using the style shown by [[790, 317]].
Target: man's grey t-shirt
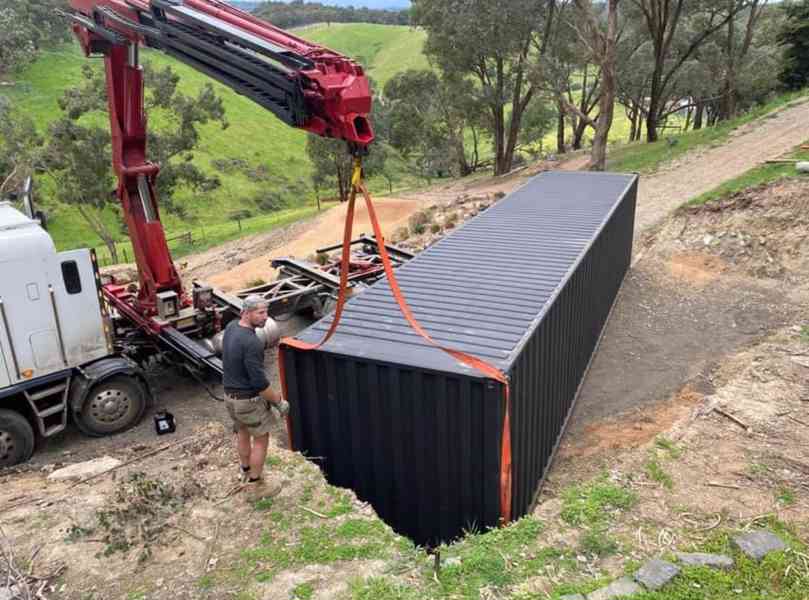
[[243, 360]]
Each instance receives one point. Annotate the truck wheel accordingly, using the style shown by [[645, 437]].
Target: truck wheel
[[112, 406], [16, 438]]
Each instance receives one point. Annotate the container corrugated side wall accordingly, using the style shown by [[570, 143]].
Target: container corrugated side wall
[[422, 447], [552, 363]]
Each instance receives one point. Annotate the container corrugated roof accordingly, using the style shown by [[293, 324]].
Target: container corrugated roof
[[484, 288]]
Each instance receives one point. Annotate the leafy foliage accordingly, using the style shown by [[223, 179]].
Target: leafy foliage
[[795, 37], [26, 28]]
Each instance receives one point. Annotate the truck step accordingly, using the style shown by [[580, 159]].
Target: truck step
[[46, 392], [53, 430], [53, 410]]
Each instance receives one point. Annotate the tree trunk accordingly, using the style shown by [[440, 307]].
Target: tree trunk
[[652, 118], [578, 134], [632, 115], [728, 101], [560, 130], [699, 111], [606, 103]]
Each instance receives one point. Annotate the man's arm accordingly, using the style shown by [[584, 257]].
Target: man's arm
[[254, 361]]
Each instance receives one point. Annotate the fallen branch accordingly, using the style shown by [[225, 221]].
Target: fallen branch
[[781, 161], [736, 420], [723, 485], [313, 512], [209, 553], [193, 535], [134, 460], [804, 423]]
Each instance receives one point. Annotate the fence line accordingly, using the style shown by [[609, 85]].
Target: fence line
[[200, 236]]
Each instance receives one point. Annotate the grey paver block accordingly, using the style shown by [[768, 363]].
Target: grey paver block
[[758, 544], [656, 573], [572, 597], [617, 589], [700, 559]]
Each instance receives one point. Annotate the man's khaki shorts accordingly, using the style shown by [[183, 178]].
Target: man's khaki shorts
[[250, 413]]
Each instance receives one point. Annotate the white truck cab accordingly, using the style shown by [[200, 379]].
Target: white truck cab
[[56, 353]]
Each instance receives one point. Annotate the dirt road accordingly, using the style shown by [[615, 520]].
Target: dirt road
[[701, 171]]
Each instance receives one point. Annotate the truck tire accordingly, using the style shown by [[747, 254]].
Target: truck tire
[[112, 405], [16, 438]]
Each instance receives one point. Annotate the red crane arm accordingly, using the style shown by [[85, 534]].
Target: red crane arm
[[305, 85]]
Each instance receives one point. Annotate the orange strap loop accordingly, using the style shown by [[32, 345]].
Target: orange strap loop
[[472, 361]]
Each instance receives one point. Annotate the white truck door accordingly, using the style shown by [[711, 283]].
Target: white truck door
[[31, 336], [78, 307]]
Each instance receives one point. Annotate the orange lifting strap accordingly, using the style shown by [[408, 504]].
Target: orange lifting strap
[[472, 361]]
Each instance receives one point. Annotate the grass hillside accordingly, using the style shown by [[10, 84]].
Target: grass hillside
[[271, 156]]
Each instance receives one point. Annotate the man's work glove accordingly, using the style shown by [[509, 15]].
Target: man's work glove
[[282, 407]]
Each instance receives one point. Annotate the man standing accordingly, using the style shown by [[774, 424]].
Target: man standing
[[248, 396]]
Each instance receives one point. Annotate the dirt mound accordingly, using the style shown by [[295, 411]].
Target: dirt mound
[[760, 232]]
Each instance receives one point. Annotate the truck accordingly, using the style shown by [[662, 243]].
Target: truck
[[58, 360], [71, 345]]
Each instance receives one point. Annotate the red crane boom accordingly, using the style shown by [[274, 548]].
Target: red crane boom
[[305, 85]]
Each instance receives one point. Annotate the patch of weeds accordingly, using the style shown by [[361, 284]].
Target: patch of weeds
[[804, 335], [588, 504], [499, 195], [76, 532], [256, 282], [341, 506], [304, 591], [418, 222], [666, 444], [583, 588], [307, 493], [140, 510], [655, 472], [205, 582], [381, 588], [273, 461], [281, 519], [758, 469], [354, 539], [245, 595], [495, 559], [786, 496], [264, 504], [435, 228], [401, 234], [599, 542]]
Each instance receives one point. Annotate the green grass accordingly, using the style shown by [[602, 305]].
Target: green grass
[[757, 176], [779, 576], [786, 496], [599, 542], [670, 447], [804, 334], [590, 504], [384, 49], [655, 471], [282, 548], [494, 560], [303, 591], [254, 135], [645, 158]]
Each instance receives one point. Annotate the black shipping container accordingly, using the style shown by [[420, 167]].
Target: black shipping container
[[527, 285]]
